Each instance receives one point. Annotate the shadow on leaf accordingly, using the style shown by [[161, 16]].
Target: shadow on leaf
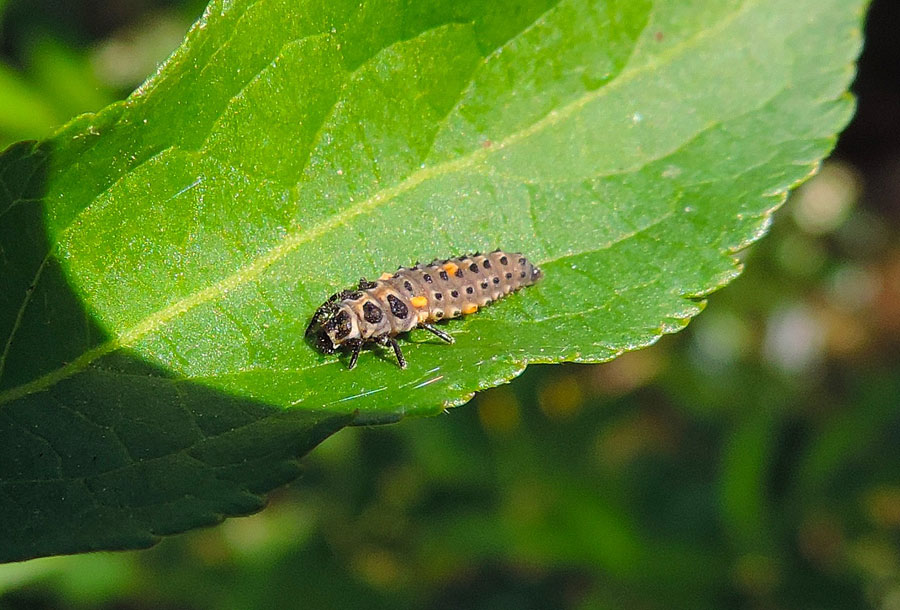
[[122, 452]]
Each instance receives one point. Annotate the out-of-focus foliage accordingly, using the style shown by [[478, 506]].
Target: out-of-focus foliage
[[52, 68], [748, 462]]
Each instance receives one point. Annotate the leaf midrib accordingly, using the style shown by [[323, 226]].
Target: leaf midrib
[[291, 242]]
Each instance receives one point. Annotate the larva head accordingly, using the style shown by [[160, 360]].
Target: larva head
[[331, 327]]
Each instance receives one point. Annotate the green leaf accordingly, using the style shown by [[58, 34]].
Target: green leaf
[[161, 259]]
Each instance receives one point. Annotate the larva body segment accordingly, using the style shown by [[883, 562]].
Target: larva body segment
[[376, 312]]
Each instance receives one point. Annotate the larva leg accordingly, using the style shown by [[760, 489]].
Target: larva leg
[[397, 352], [438, 332], [386, 340], [365, 284], [356, 346]]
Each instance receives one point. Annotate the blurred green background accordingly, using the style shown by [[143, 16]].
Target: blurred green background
[[751, 461]]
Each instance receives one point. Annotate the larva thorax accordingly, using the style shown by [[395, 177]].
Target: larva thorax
[[416, 296]]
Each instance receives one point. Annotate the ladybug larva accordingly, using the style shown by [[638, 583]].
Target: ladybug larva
[[376, 312]]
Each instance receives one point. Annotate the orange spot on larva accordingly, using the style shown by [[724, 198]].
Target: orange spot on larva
[[451, 268], [385, 276], [471, 308], [419, 302]]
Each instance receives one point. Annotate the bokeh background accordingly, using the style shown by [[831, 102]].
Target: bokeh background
[[751, 461]]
